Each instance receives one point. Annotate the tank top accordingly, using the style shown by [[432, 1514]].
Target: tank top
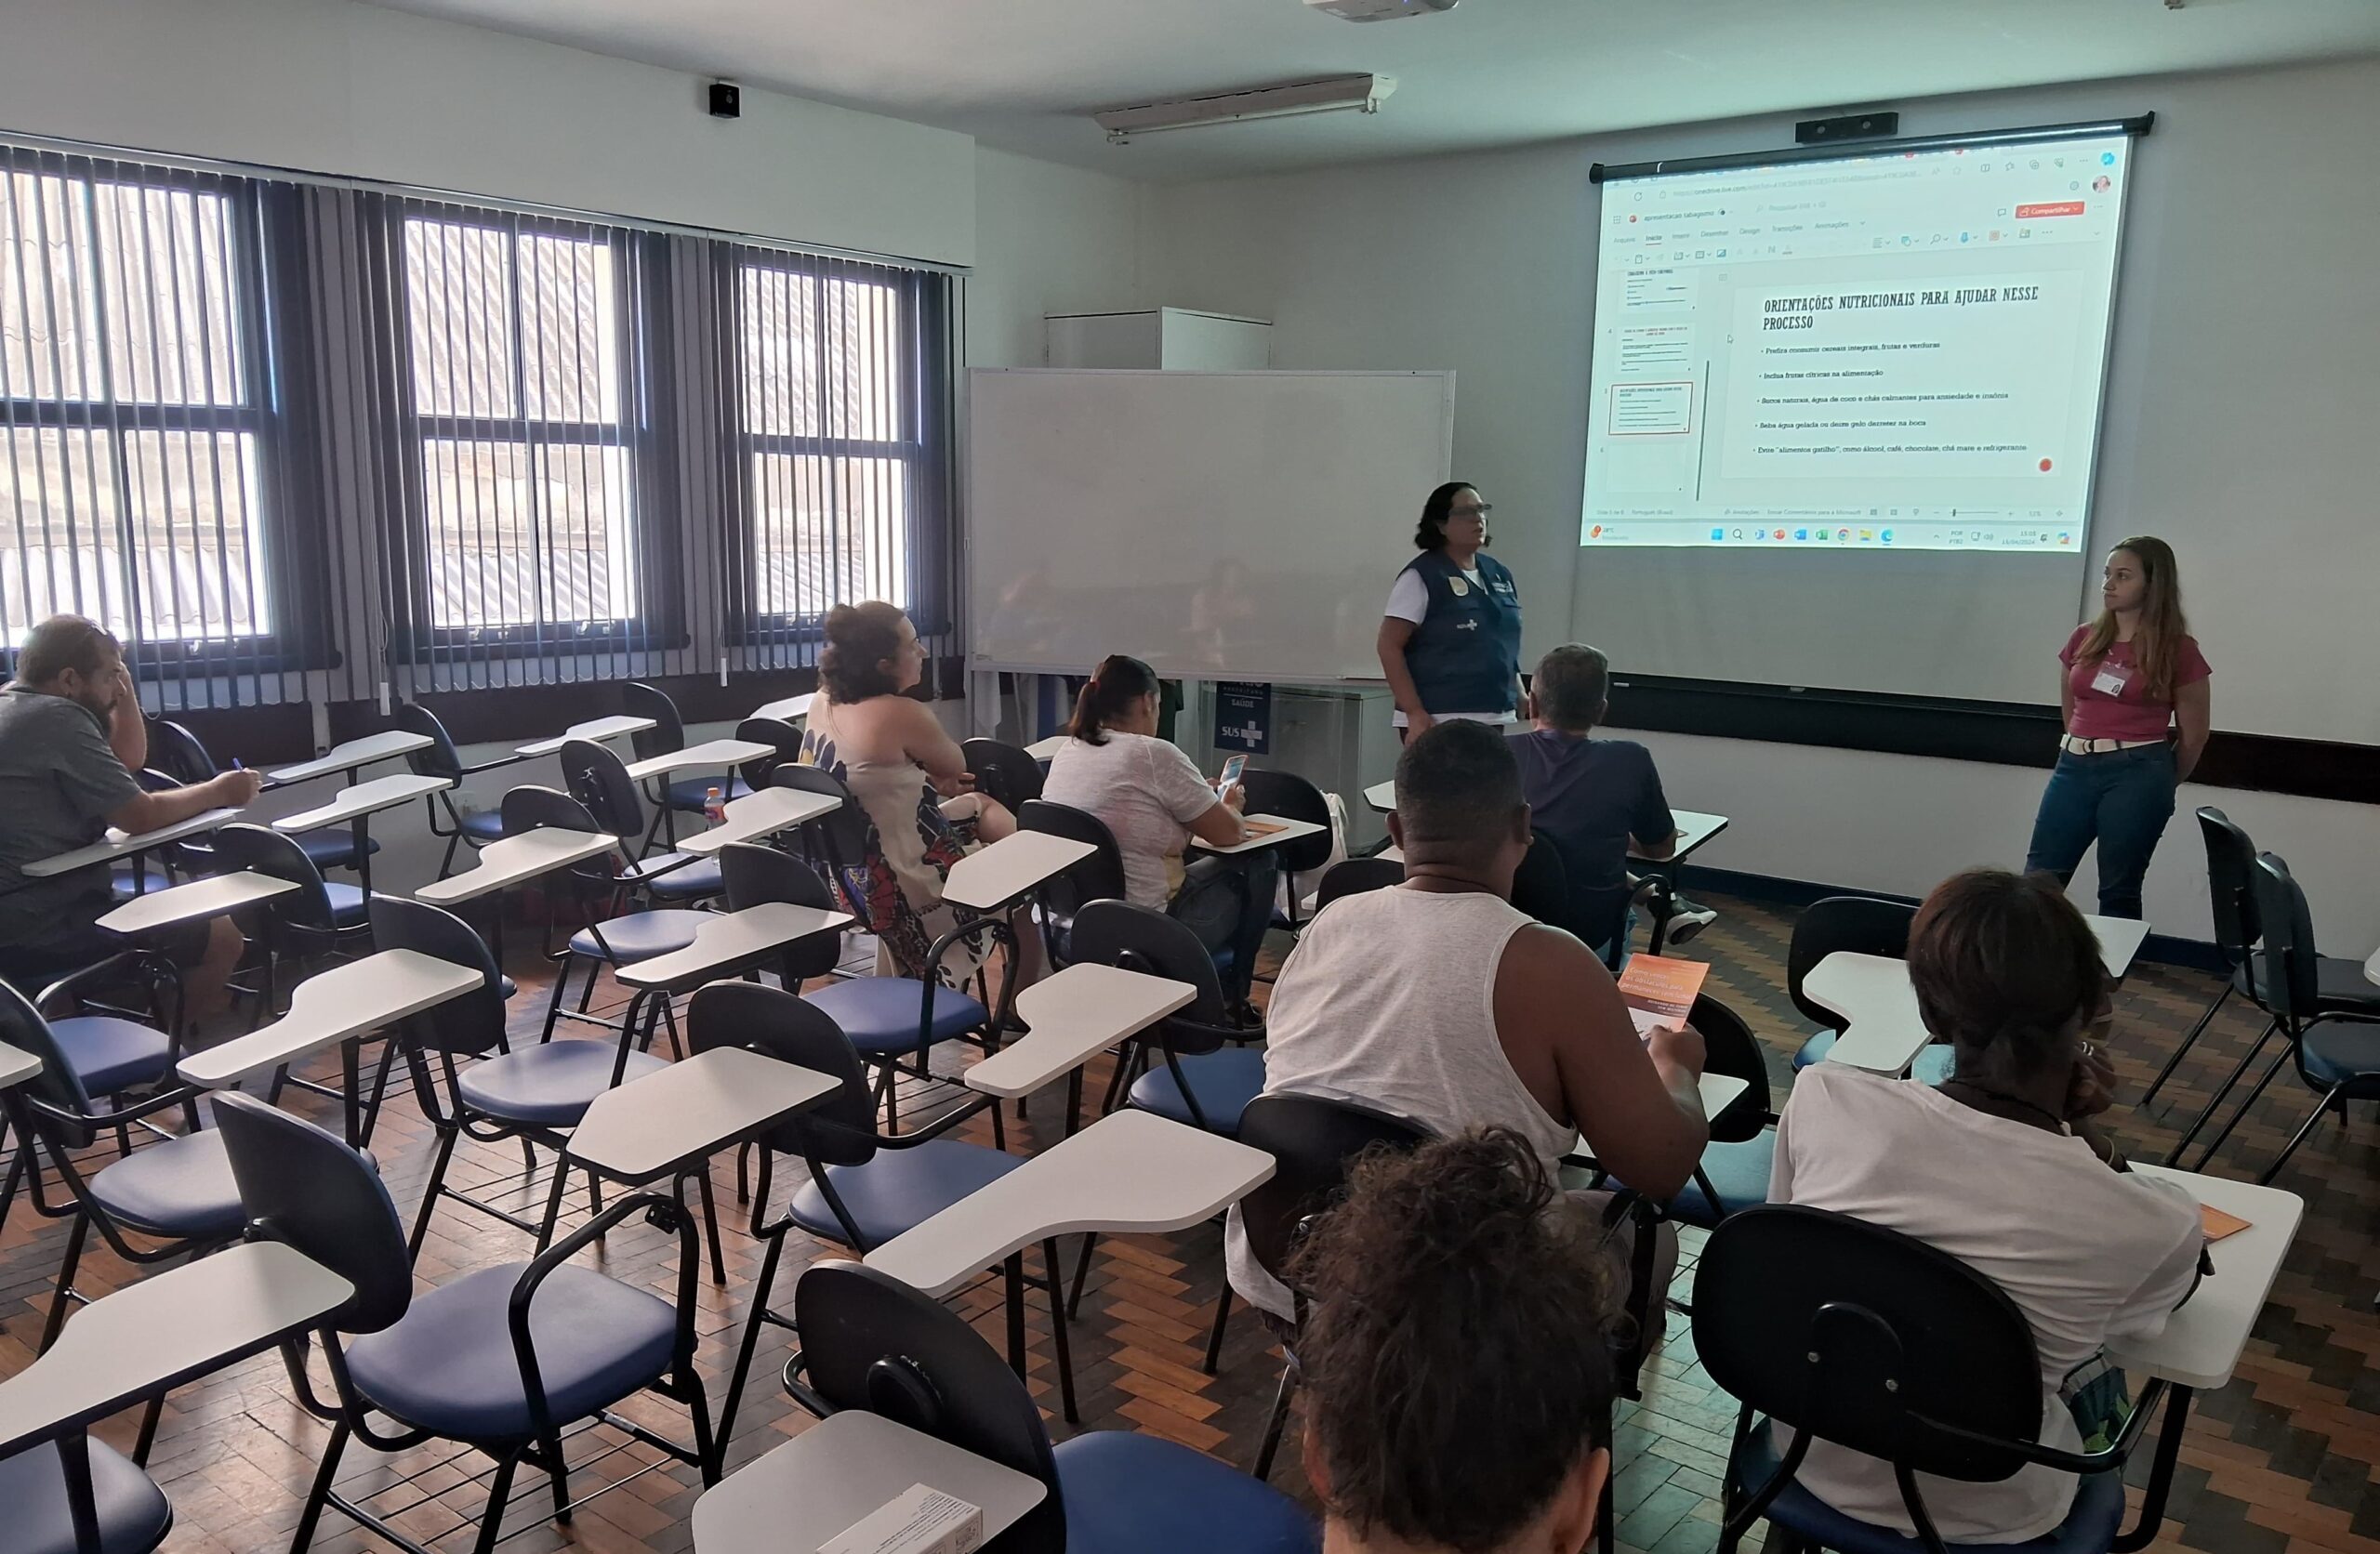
[[1389, 1000], [893, 796]]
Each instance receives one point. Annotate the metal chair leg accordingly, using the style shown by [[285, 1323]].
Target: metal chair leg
[[2187, 1042], [2330, 1096], [1215, 1338], [1279, 1420], [2221, 1090], [1058, 1330], [2245, 1107]]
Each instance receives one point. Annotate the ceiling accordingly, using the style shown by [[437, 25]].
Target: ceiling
[[1021, 74]]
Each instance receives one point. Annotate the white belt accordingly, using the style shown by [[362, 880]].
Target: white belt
[[2073, 746]]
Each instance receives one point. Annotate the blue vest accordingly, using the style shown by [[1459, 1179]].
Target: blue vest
[[1465, 657]]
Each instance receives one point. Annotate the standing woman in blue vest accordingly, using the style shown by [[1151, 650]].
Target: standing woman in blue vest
[[1450, 638]]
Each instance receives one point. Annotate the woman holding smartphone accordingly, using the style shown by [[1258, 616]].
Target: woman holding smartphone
[[1155, 799], [2131, 677]]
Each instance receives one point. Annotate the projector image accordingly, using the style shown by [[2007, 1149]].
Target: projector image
[[1380, 11]]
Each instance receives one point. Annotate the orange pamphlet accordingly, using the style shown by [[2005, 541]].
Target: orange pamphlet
[[1659, 991], [2219, 1224], [1260, 827]]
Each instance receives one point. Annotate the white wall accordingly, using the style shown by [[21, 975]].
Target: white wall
[[355, 90], [1048, 240], [2241, 421]]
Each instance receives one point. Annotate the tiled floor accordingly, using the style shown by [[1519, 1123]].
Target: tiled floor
[[2280, 1462]]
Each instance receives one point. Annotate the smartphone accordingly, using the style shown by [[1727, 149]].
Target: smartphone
[[1232, 768]]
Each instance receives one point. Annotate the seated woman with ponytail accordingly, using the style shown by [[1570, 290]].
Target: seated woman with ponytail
[[1156, 800]]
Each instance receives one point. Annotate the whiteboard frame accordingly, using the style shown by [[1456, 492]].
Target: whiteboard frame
[[975, 663]]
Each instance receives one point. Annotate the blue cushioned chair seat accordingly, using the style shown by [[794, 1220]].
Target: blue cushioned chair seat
[[689, 879], [332, 847], [694, 793], [879, 1014], [448, 1365], [181, 1188], [1225, 959], [1224, 1083], [1933, 1066], [349, 909], [2339, 984], [642, 935], [485, 825], [1129, 1494], [900, 1189], [134, 1515], [551, 1084], [2339, 1050], [2089, 1528], [1739, 1174], [109, 1054], [120, 884]]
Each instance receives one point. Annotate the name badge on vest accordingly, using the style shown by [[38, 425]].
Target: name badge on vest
[[2111, 678], [1457, 586]]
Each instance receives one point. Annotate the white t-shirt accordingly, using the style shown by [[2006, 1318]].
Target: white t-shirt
[[2088, 1254], [1408, 600], [1147, 791]]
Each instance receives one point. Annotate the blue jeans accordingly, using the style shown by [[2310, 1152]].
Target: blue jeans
[[1228, 904], [2121, 801]]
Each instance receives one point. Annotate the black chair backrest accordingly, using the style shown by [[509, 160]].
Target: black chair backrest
[[2292, 968], [669, 732], [1867, 1338], [242, 846], [1097, 878], [177, 752], [756, 876], [1729, 1047], [1857, 925], [784, 743], [1352, 876], [307, 1189], [1314, 1143], [842, 838], [2230, 885], [599, 779], [22, 1027], [872, 1342], [1540, 886], [531, 808], [469, 1025], [440, 759], [840, 1130], [1118, 933], [1292, 797], [1004, 773]]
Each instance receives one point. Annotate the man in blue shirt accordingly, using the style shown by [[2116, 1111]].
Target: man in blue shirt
[[1593, 797]]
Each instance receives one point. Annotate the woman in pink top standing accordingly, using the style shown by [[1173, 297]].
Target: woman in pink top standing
[[2130, 677]]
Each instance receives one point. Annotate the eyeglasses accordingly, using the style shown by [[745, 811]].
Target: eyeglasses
[[1480, 511]]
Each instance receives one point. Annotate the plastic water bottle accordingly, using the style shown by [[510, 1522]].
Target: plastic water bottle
[[714, 806]]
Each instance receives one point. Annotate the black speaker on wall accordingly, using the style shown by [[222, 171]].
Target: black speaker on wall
[[1850, 127], [726, 100]]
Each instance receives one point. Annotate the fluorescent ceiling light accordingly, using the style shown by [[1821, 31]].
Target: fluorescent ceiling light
[[1363, 93]]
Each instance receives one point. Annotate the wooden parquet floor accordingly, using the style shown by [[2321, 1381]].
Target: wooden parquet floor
[[2280, 1462]]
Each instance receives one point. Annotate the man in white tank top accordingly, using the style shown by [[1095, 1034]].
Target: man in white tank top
[[1440, 1001]]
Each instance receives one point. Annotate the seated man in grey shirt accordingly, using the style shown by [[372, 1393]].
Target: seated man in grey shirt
[[71, 739]]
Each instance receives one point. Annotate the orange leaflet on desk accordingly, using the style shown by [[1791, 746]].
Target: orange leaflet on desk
[[2219, 1224], [1260, 827], [1660, 990]]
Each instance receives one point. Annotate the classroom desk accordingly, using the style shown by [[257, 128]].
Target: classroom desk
[[2372, 967], [336, 1008], [1129, 1172], [1289, 831], [354, 808], [116, 845], [678, 1117], [1382, 796], [761, 814], [352, 756], [2119, 941], [1076, 1015], [729, 943], [595, 732], [16, 1067], [511, 860], [992, 877], [723, 756], [196, 900], [1046, 750], [842, 1470], [1719, 1091], [787, 709]]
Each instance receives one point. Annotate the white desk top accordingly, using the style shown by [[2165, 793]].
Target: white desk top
[[1882, 1030], [2119, 941], [2202, 1341], [1382, 796], [2372, 967], [690, 1109], [16, 1067], [327, 1008], [194, 902], [1047, 749], [364, 798], [722, 756], [1130, 1172], [1291, 831], [595, 730], [117, 845], [1719, 1091], [788, 709], [842, 1470], [353, 754], [511, 861], [761, 814], [729, 939], [164, 1330], [1076, 1015], [996, 874]]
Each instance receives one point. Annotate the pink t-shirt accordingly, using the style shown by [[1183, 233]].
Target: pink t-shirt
[[2127, 712]]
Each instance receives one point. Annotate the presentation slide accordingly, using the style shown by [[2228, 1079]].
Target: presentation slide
[[1895, 351]]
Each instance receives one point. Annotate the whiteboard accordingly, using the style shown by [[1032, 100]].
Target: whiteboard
[[1218, 525]]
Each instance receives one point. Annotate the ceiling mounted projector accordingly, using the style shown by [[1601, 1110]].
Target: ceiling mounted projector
[[1341, 93], [1380, 11]]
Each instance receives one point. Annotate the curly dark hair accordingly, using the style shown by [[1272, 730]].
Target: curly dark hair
[[859, 638], [1456, 1357], [1431, 533]]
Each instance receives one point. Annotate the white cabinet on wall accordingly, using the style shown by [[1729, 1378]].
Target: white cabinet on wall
[[1173, 339]]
